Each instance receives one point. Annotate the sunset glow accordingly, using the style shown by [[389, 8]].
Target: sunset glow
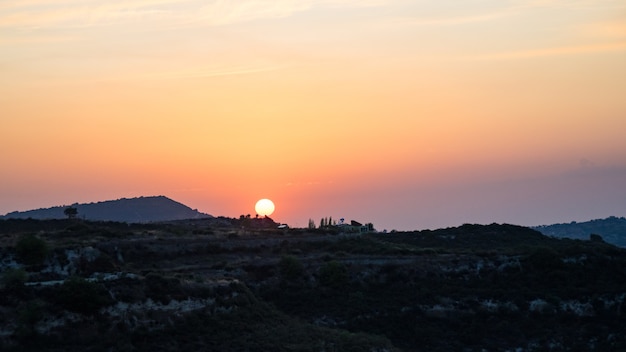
[[406, 114]]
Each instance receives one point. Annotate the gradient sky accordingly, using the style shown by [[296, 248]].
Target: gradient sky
[[407, 114]]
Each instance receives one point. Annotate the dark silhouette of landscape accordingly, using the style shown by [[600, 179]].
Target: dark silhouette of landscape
[[140, 209], [248, 284], [611, 230]]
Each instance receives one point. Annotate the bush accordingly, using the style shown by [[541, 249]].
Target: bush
[[31, 313], [333, 274], [290, 268], [32, 250], [82, 296], [162, 289], [14, 278], [596, 238], [544, 259]]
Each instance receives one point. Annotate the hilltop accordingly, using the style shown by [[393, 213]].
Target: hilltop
[[131, 210], [611, 229]]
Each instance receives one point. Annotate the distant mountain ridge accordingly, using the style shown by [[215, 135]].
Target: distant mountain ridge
[[612, 230], [131, 210]]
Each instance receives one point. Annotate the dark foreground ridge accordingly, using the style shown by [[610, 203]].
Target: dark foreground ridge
[[132, 210], [231, 285]]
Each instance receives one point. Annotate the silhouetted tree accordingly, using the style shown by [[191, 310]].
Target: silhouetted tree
[[70, 212], [596, 238]]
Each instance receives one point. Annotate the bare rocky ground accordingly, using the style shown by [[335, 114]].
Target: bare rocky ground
[[214, 285]]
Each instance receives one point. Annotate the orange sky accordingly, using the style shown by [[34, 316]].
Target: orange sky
[[406, 114]]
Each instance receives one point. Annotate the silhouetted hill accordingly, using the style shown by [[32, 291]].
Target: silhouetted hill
[[473, 236], [612, 230], [141, 209]]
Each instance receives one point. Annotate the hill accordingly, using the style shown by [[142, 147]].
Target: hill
[[223, 284], [611, 229], [131, 210]]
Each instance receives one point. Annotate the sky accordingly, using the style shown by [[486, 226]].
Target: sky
[[406, 114]]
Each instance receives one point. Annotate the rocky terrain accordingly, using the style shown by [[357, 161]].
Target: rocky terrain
[[242, 285]]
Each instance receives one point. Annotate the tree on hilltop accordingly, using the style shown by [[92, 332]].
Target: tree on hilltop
[[70, 212]]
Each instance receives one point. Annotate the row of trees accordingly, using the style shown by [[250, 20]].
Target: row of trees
[[327, 222], [324, 222]]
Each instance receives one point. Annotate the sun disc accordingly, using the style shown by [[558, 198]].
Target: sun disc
[[264, 207]]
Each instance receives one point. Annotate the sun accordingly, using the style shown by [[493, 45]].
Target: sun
[[264, 207]]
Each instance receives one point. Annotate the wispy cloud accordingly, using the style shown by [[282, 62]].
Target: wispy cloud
[[74, 13], [213, 72], [547, 52], [308, 183], [502, 10], [196, 72], [222, 12], [452, 21], [45, 13], [575, 4], [607, 29], [38, 39]]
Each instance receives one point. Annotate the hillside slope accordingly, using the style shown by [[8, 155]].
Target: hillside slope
[[132, 210], [204, 285], [612, 230]]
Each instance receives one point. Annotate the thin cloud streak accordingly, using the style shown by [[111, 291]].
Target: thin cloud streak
[[38, 39], [45, 13], [453, 21], [548, 52], [577, 4], [26, 4], [609, 30], [213, 73], [197, 73], [516, 8], [82, 16], [223, 12]]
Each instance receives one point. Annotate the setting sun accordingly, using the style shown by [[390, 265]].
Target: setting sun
[[264, 207]]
